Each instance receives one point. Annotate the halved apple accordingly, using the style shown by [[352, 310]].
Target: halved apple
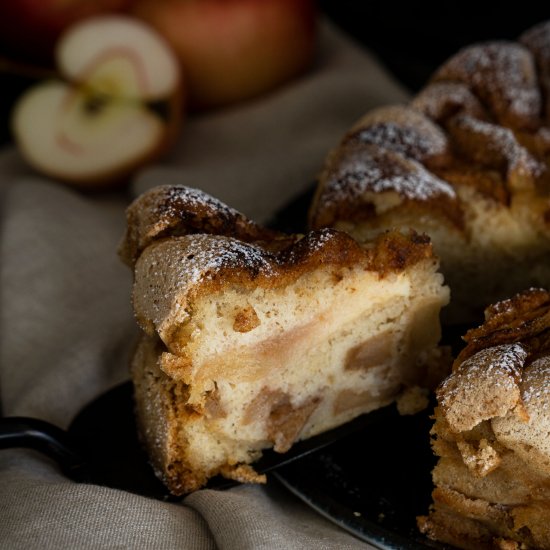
[[102, 123]]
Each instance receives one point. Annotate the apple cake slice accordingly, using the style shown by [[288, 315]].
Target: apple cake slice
[[254, 339], [492, 433]]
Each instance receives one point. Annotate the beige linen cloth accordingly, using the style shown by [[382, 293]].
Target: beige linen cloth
[[66, 325]]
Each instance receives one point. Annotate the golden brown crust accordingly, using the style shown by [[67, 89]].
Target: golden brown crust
[[403, 130], [503, 76], [487, 373], [492, 434], [487, 183], [490, 146], [523, 318], [358, 173], [221, 261], [481, 112], [167, 282], [393, 252], [483, 386], [172, 210], [441, 101], [169, 226]]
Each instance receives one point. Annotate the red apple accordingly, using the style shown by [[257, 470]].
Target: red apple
[[232, 50], [30, 28], [99, 124]]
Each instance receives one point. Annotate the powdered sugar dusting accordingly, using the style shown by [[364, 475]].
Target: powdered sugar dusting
[[167, 272], [484, 386], [179, 210], [409, 141], [441, 100], [372, 169], [502, 75], [503, 142], [506, 359], [536, 386], [501, 365], [176, 196], [401, 129], [189, 260]]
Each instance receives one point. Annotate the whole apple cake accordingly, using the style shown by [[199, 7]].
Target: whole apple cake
[[492, 433], [254, 339], [466, 162]]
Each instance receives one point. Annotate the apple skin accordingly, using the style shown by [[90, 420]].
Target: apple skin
[[232, 50], [29, 29], [117, 108]]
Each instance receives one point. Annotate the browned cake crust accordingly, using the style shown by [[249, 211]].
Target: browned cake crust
[[172, 210], [492, 433], [254, 339], [221, 262], [466, 161]]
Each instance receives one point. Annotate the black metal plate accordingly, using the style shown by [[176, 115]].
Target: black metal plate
[[105, 431], [373, 483]]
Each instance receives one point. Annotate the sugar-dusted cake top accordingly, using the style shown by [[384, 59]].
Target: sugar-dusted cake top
[[502, 373], [481, 123]]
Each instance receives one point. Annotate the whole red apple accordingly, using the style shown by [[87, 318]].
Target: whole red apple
[[232, 50], [29, 29]]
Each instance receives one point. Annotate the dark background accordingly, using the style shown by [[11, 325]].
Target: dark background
[[413, 38], [410, 38]]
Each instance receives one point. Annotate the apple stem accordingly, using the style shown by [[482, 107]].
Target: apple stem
[[24, 69]]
